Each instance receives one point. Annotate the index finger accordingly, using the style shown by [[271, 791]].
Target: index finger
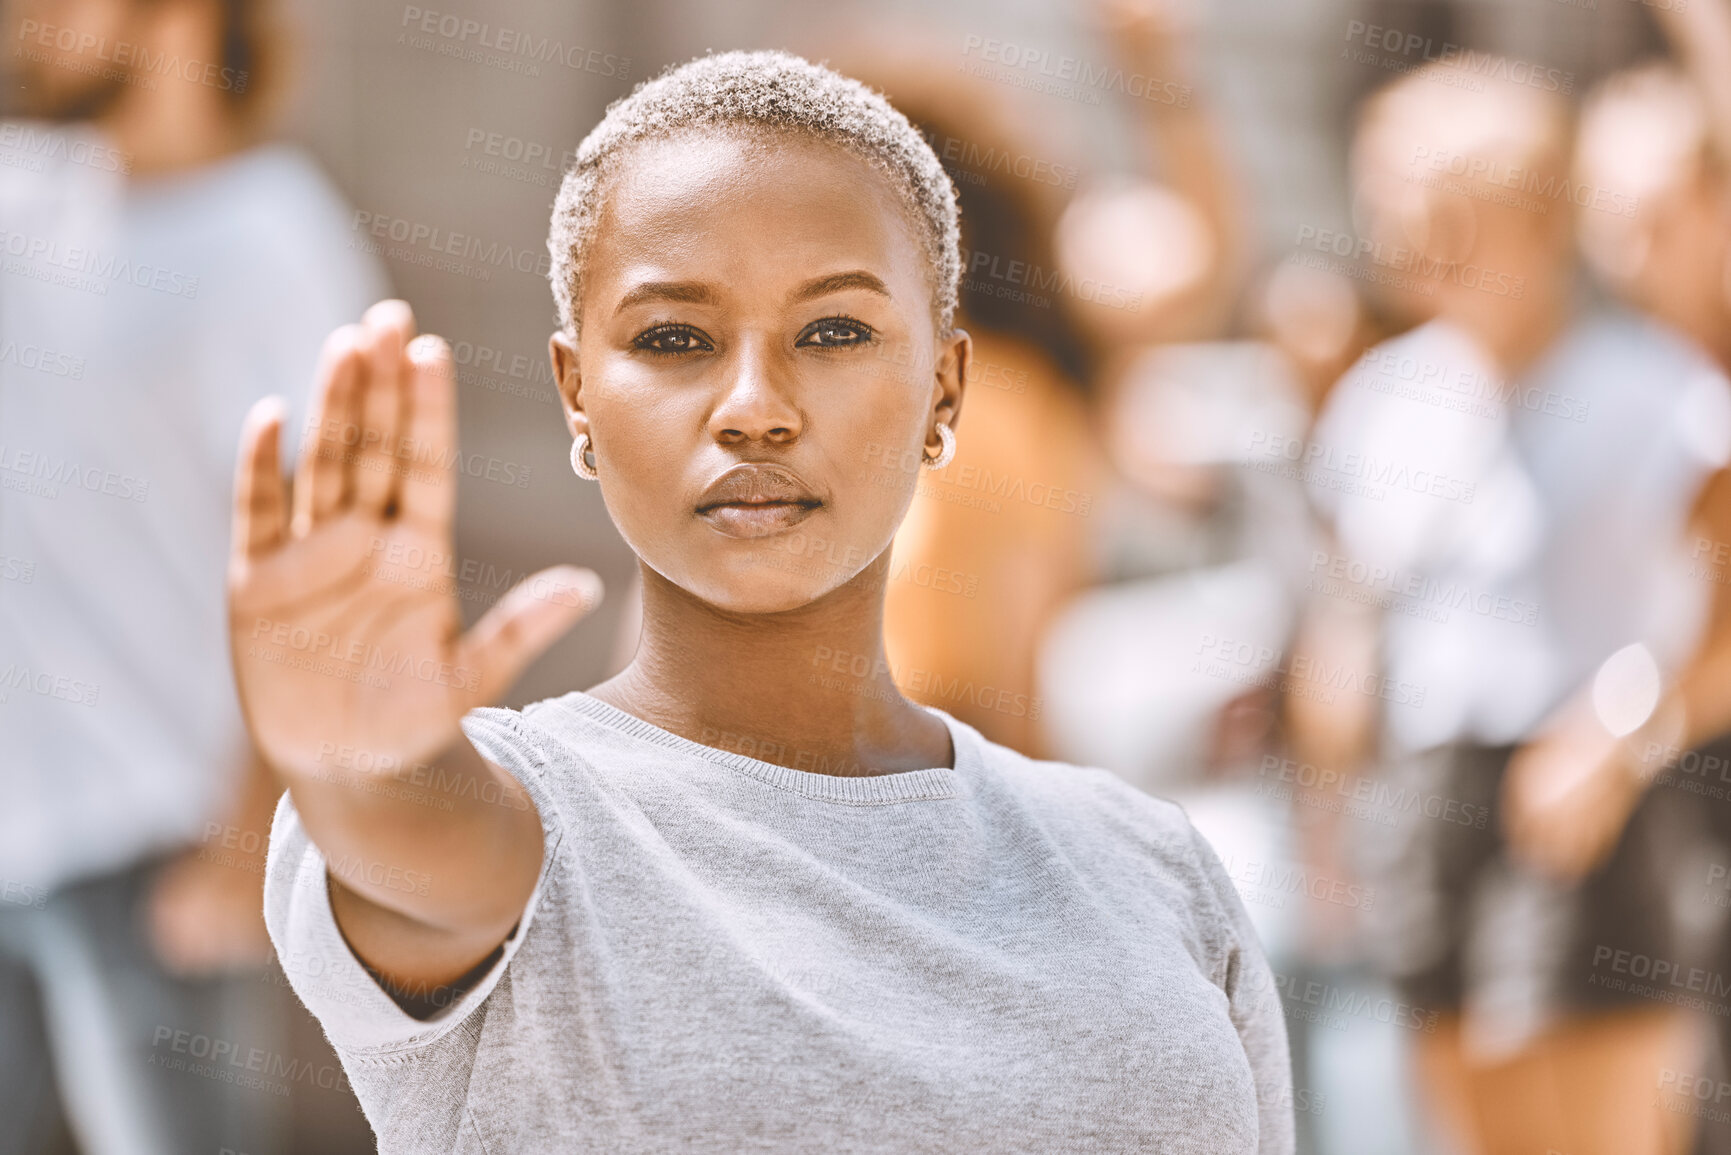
[[378, 406], [429, 485], [260, 505]]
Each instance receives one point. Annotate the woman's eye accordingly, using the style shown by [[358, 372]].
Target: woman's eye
[[835, 333], [673, 339]]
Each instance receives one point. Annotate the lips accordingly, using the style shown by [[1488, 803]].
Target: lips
[[755, 499]]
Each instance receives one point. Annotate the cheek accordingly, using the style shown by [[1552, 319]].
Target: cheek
[[643, 452], [874, 449]]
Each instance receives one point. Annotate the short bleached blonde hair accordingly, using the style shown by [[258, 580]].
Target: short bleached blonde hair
[[757, 92]]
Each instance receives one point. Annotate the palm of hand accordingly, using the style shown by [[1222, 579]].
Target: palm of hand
[[346, 638]]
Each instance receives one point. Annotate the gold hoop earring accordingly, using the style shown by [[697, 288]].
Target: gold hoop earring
[[579, 460], [946, 454]]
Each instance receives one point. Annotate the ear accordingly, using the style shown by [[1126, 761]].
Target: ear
[[569, 381], [950, 381]]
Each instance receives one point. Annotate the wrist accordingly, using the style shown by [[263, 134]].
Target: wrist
[[1648, 749]]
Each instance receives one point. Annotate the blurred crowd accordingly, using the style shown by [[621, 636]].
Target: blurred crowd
[[1398, 552]]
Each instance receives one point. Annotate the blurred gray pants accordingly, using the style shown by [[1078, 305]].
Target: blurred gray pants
[[144, 1063]]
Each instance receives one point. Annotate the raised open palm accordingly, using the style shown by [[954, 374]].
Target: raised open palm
[[342, 659]]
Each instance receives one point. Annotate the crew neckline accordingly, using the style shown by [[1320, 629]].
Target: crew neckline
[[926, 785]]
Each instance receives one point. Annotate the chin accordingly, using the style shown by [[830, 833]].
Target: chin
[[764, 583]]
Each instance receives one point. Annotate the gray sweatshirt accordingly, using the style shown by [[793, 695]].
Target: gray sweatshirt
[[723, 954]]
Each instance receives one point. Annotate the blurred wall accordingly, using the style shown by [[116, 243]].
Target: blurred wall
[[414, 129], [425, 136]]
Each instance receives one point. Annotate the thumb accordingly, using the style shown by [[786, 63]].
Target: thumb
[[532, 616]]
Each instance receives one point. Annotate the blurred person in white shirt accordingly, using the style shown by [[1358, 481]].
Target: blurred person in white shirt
[[1653, 135], [1519, 477], [153, 243]]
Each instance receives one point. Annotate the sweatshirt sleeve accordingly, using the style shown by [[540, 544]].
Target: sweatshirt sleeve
[[357, 1014], [1255, 1009]]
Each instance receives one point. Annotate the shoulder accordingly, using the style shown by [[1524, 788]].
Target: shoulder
[[1083, 794], [275, 204], [276, 181], [1109, 828], [1421, 358]]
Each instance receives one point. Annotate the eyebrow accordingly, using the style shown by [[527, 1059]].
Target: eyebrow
[[690, 292], [835, 282], [697, 293]]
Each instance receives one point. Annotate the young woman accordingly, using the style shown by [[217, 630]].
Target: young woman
[[591, 925]]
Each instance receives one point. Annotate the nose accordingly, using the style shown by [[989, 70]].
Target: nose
[[758, 402]]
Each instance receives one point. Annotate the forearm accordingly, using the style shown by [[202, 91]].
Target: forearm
[[1700, 35], [1335, 731], [1180, 141], [452, 842], [1702, 697], [1698, 705]]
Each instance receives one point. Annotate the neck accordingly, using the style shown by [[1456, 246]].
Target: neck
[[808, 688], [1702, 321], [1514, 332]]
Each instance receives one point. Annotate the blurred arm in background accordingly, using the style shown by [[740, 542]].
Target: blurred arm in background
[[1173, 242], [1659, 136]]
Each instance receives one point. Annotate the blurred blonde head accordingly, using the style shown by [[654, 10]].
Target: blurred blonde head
[[1646, 136], [1466, 171]]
